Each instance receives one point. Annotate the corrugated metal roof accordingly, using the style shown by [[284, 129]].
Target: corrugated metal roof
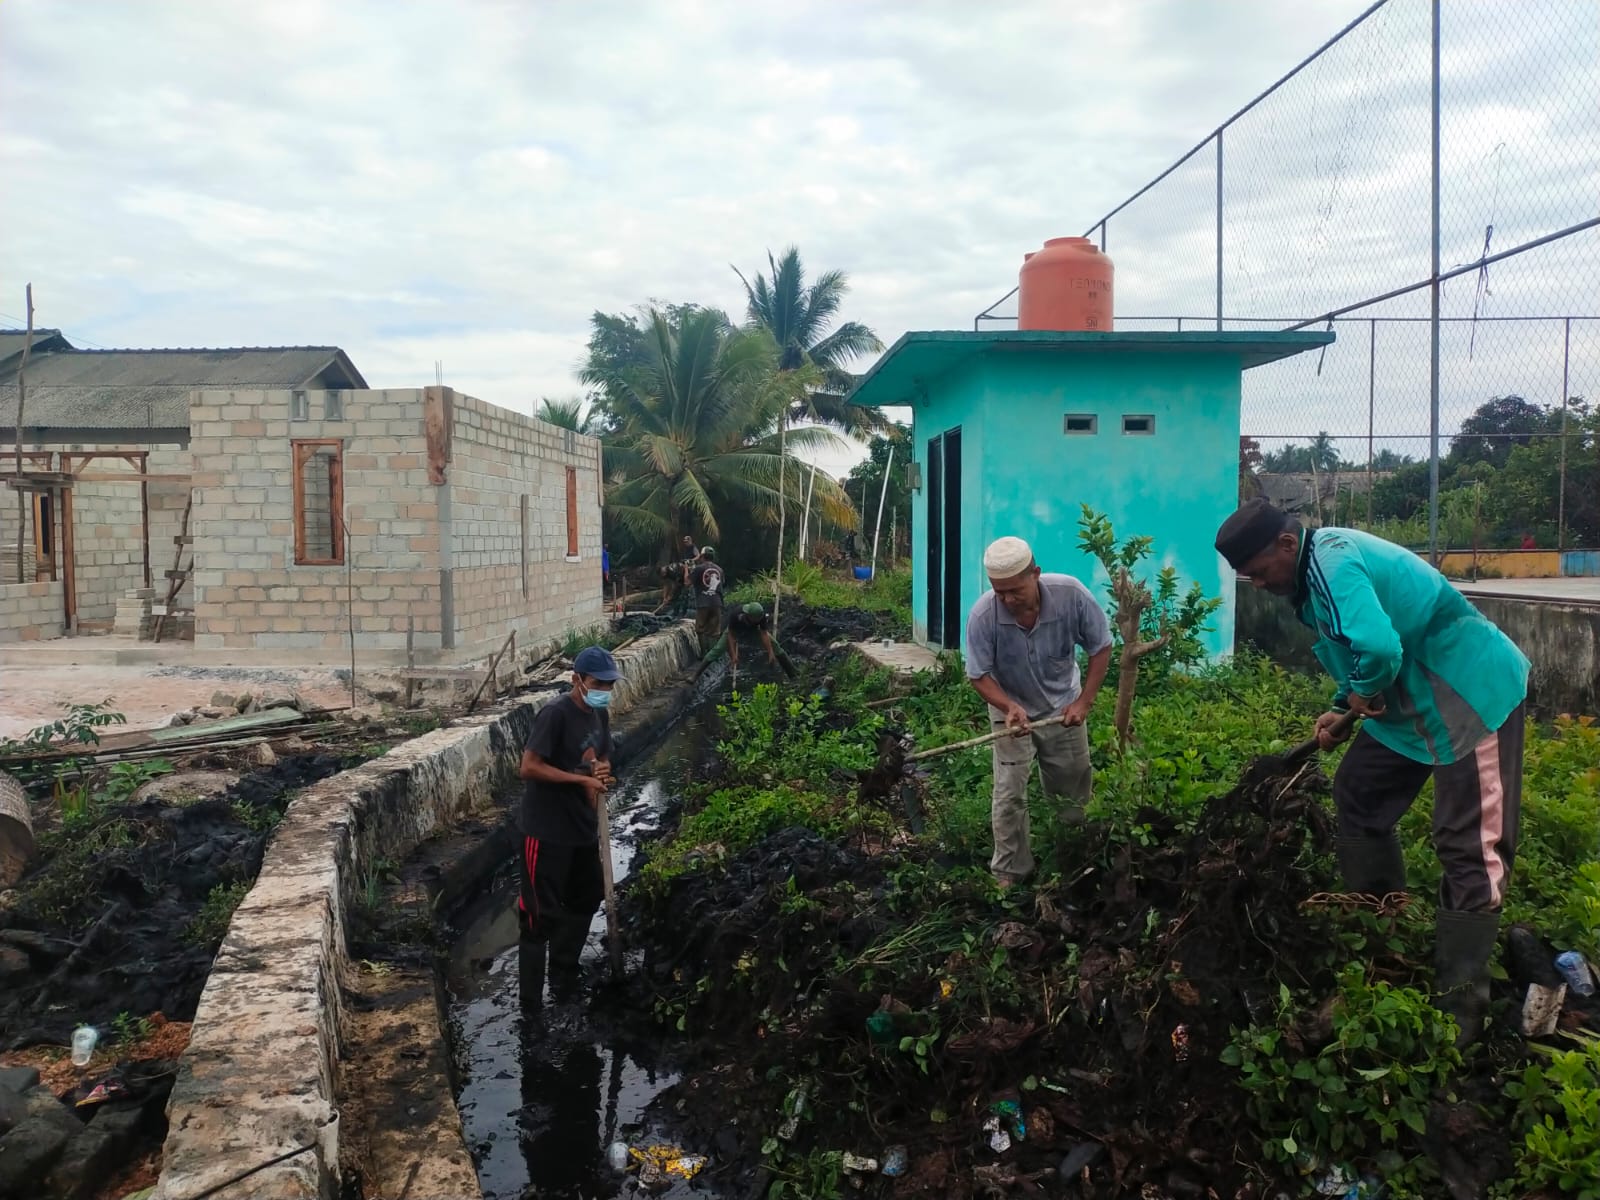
[[130, 389], [12, 341]]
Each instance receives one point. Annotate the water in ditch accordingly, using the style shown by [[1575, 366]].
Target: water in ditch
[[542, 1095]]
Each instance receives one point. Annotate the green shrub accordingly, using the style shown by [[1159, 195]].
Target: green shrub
[[1367, 1089], [1558, 1115]]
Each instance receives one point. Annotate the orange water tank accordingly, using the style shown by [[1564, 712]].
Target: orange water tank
[[1066, 286]]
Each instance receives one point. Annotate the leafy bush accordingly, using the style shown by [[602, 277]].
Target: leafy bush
[[1558, 1115], [1366, 1089]]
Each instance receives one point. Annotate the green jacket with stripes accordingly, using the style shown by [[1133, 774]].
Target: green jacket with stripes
[[1388, 624]]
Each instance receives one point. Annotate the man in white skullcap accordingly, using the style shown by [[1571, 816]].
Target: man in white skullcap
[[1023, 638]]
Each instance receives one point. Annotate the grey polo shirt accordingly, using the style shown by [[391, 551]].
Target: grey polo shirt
[[1038, 667]]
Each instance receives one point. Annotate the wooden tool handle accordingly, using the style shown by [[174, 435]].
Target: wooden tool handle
[[1339, 728], [982, 740]]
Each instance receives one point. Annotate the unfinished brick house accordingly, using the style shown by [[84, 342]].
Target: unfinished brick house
[[283, 505]]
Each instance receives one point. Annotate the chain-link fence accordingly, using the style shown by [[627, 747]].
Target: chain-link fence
[[1427, 185]]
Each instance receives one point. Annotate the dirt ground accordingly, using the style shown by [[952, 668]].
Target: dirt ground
[[31, 696]]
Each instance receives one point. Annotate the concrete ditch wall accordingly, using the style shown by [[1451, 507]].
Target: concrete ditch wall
[[1562, 643], [254, 1109]]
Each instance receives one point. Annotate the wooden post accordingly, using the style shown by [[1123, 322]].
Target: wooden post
[[411, 660], [69, 572], [144, 521]]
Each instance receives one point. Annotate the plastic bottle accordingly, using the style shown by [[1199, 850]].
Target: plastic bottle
[[1576, 971], [84, 1038], [617, 1156]]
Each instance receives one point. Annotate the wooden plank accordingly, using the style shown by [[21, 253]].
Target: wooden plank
[[186, 539], [260, 720], [179, 575], [135, 477]]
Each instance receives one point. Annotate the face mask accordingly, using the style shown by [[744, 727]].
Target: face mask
[[597, 699]]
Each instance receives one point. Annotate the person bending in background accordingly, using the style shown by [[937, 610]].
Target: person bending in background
[[1443, 692], [567, 768], [746, 619]]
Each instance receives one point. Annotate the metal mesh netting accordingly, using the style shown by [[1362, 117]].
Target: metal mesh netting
[[1325, 207]]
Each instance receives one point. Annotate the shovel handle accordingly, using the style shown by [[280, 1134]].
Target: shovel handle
[[1339, 728], [982, 740]]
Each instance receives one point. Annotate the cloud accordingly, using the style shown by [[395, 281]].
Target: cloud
[[468, 181]]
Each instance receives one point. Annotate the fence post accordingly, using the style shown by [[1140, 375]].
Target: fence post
[[1433, 324], [1561, 487], [1219, 229], [1372, 391]]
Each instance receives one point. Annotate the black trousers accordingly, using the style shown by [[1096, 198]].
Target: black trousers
[[562, 887], [1477, 803]]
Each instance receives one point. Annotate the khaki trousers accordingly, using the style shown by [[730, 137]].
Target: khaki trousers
[[1063, 754]]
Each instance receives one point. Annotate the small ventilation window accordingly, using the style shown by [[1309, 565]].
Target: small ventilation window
[[299, 406], [1144, 424], [333, 405], [1080, 423]]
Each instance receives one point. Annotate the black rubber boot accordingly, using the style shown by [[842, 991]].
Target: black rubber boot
[[567, 936], [1463, 942], [1372, 866]]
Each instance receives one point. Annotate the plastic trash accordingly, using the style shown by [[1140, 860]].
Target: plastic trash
[[108, 1088], [857, 1165], [617, 1156], [999, 1139], [791, 1123], [1541, 1008], [1576, 971], [660, 1163], [880, 1028], [84, 1040], [1180, 1043], [1010, 1112], [1335, 1181], [1368, 1187], [895, 1161]]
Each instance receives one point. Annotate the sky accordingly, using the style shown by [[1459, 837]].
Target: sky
[[468, 181]]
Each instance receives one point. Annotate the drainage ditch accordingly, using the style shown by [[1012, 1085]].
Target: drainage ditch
[[547, 1082]]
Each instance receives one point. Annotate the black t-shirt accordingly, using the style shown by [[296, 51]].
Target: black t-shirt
[[560, 813], [706, 579]]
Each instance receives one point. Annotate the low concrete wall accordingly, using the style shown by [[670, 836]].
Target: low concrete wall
[[30, 612], [1561, 641], [254, 1106], [1563, 644]]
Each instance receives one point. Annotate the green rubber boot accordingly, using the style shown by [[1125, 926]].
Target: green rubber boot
[[1372, 866], [1463, 942]]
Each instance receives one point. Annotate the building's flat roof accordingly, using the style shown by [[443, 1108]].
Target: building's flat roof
[[919, 358]]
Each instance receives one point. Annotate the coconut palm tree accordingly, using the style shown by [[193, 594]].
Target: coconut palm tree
[[566, 414], [698, 430], [800, 318]]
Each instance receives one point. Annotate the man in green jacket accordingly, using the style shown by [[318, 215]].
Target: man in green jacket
[[1442, 691]]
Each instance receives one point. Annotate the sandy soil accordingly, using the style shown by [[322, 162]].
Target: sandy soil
[[35, 695]]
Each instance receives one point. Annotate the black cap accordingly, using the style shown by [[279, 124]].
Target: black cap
[[1250, 530]]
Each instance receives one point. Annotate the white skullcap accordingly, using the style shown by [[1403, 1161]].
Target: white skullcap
[[1007, 558]]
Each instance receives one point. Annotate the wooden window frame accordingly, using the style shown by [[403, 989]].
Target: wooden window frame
[[302, 449], [572, 514]]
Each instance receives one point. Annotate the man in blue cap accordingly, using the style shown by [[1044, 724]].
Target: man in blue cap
[[567, 766], [1443, 692]]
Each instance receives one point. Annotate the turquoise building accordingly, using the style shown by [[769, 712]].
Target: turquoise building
[[1015, 430]]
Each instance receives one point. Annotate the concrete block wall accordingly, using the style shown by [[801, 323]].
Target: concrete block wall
[[503, 580], [251, 598], [255, 1099], [30, 612]]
